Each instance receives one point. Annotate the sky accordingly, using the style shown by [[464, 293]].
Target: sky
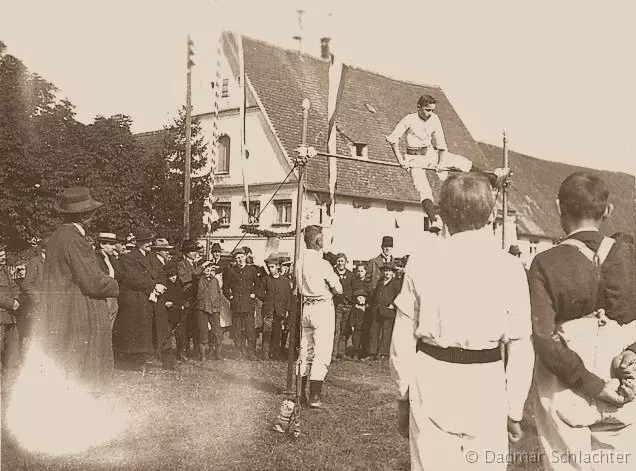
[[557, 76]]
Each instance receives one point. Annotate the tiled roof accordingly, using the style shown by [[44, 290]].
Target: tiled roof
[[283, 78], [536, 184]]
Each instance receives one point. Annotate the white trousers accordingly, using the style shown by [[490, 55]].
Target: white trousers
[[569, 448], [458, 416], [419, 163], [317, 323]]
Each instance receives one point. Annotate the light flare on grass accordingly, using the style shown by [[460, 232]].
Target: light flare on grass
[[48, 413]]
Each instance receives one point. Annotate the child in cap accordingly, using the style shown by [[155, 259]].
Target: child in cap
[[207, 310], [177, 314], [356, 320]]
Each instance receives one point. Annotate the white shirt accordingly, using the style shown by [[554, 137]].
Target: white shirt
[[111, 270], [80, 229], [465, 292], [317, 276], [419, 133]]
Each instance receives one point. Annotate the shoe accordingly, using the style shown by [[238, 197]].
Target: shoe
[[315, 402], [435, 226]]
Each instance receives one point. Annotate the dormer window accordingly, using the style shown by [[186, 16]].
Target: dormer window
[[359, 149]]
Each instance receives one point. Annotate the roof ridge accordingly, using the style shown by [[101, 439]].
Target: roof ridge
[[284, 49], [567, 164], [407, 82]]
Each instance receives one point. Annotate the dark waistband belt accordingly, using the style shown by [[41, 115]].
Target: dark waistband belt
[[459, 355], [416, 150]]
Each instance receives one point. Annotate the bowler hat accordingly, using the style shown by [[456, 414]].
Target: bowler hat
[[216, 247], [143, 235], [76, 200], [514, 250], [387, 241], [162, 244], [189, 245], [107, 237]]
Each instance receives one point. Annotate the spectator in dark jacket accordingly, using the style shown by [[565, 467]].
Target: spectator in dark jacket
[[207, 310], [385, 293], [342, 304], [241, 288], [277, 298], [356, 320], [359, 282], [175, 306]]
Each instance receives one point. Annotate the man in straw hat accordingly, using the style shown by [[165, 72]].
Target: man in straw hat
[[110, 265], [73, 325]]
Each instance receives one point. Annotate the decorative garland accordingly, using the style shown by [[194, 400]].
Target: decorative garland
[[266, 233]]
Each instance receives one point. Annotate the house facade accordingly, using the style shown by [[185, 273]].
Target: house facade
[[373, 195]]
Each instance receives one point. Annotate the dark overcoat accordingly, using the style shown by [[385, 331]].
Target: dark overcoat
[[72, 324], [141, 325]]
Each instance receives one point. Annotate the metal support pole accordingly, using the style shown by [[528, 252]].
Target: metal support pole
[[295, 316], [188, 146]]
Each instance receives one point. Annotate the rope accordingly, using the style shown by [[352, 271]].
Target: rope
[[266, 204]]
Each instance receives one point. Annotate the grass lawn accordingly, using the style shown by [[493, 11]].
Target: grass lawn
[[218, 415]]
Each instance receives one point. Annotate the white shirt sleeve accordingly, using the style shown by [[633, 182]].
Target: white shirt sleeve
[[437, 134], [399, 131], [519, 349], [331, 278], [403, 340]]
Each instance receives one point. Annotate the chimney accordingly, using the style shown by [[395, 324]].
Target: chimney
[[324, 49]]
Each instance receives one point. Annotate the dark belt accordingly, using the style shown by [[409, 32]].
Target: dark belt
[[459, 355], [416, 150]]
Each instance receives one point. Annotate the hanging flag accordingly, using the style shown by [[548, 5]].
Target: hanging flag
[[242, 106], [335, 74]]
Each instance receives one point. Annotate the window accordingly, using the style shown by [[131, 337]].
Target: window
[[283, 212], [359, 150], [223, 155], [361, 204], [223, 210], [225, 88], [394, 206], [254, 214]]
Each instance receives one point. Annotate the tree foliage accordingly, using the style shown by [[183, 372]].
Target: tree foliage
[[44, 149]]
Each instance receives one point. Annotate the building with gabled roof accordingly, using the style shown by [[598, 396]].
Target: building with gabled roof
[[374, 195]]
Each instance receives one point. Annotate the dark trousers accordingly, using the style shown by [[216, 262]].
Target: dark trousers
[[243, 328], [178, 319], [272, 337], [9, 346], [342, 310], [356, 324], [215, 335], [380, 335], [345, 328]]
